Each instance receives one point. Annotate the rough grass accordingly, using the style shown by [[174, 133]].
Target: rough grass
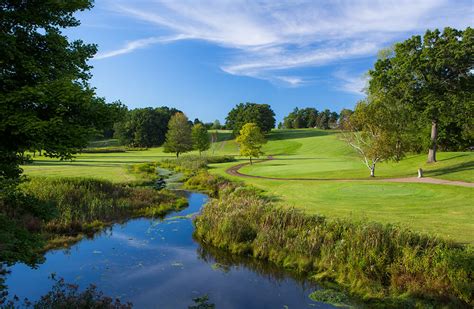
[[87, 205], [381, 264]]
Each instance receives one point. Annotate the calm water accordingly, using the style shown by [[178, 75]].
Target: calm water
[[156, 264]]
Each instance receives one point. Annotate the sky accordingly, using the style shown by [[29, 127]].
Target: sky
[[204, 57]]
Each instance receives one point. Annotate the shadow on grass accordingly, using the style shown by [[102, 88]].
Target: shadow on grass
[[278, 135], [461, 167]]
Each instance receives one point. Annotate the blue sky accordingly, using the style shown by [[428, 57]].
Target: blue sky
[[204, 57]]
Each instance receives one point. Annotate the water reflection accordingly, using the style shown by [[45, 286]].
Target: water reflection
[[155, 263]]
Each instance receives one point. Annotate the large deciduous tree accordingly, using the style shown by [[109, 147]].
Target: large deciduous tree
[[432, 75], [251, 140], [260, 114], [46, 104], [178, 137]]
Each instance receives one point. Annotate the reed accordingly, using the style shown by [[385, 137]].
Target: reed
[[85, 205], [384, 265]]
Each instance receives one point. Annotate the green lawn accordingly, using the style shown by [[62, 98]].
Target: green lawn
[[322, 154], [443, 210]]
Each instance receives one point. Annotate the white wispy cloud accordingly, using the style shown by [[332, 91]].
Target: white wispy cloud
[[271, 36], [137, 44], [352, 83]]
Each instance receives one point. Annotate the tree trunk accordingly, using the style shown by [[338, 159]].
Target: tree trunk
[[177, 155], [250, 160], [372, 170], [433, 144]]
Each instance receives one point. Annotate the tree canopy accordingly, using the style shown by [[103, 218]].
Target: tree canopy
[[46, 104], [178, 137], [251, 140], [201, 139], [260, 114], [310, 118], [145, 127], [431, 77]]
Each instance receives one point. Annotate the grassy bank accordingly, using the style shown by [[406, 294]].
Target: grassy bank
[[84, 205], [55, 212], [380, 264]]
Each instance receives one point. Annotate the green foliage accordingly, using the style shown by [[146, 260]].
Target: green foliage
[[21, 218], [178, 137], [86, 205], [250, 141], [331, 296], [369, 132], [260, 114], [310, 118], [201, 139], [379, 263], [431, 78], [144, 127], [45, 100]]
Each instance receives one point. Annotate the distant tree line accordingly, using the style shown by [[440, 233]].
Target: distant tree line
[[310, 118], [144, 127]]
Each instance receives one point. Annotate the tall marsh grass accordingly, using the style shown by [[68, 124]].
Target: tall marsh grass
[[85, 205], [380, 264]]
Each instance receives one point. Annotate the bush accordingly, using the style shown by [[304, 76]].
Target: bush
[[103, 150]]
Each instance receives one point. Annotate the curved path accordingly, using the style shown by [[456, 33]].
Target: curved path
[[234, 171]]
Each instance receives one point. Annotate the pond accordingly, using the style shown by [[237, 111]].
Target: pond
[[155, 263]]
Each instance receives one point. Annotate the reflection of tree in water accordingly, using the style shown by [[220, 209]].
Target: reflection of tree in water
[[226, 261]]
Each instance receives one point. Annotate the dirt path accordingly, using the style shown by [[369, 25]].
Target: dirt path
[[234, 171]]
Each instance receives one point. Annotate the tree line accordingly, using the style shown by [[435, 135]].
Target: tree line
[[310, 117]]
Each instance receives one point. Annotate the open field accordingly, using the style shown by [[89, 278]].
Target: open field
[[447, 211]]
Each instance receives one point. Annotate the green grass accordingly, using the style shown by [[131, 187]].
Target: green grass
[[309, 153], [322, 154], [383, 265]]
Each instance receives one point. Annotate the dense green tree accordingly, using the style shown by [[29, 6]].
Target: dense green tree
[[116, 113], [145, 127], [178, 137], [201, 138], [251, 140], [433, 77], [260, 114], [46, 104], [310, 118]]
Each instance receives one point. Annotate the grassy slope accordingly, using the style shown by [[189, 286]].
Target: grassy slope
[[442, 210]]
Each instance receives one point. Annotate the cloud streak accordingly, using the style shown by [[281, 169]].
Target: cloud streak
[[271, 37], [139, 44]]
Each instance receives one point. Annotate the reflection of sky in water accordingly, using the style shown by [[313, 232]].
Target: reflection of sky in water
[[155, 263]]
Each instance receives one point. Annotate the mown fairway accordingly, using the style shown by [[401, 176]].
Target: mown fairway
[[443, 210]]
